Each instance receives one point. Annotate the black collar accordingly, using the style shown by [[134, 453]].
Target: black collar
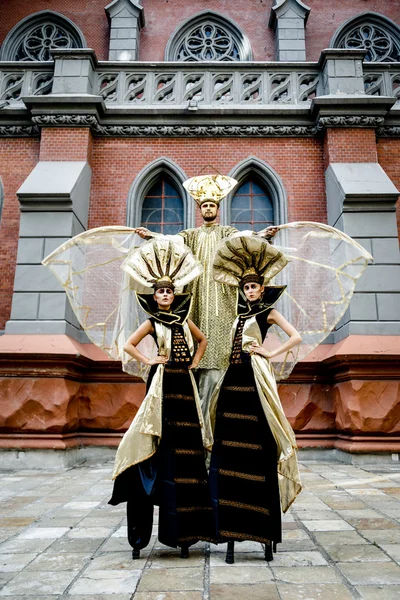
[[271, 295], [178, 313]]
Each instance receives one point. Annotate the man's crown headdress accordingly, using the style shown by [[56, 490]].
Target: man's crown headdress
[[209, 188]]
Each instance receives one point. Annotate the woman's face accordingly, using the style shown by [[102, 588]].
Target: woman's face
[[164, 297], [253, 291]]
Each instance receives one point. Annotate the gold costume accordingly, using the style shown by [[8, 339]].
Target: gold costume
[[214, 304]]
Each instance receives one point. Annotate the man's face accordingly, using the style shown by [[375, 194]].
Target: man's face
[[209, 211]]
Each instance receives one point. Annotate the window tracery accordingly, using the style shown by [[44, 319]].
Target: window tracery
[[208, 36], [34, 38], [376, 34]]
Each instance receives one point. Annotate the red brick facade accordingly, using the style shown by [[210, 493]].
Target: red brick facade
[[17, 159], [90, 17]]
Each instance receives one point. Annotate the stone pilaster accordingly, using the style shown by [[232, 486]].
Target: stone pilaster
[[126, 21], [288, 19], [54, 203], [362, 202]]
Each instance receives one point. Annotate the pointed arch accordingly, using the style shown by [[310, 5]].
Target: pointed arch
[[146, 179], [253, 167], [370, 31], [226, 40], [52, 28]]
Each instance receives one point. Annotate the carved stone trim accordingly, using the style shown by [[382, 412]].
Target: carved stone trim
[[388, 131], [203, 130], [351, 121], [19, 131], [88, 120]]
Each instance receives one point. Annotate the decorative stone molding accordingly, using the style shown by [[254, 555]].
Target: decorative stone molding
[[33, 38], [393, 131], [127, 19], [351, 121], [376, 34], [73, 120], [19, 131], [177, 130], [288, 19], [208, 36]]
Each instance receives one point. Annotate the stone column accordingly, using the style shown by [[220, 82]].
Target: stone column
[[288, 19], [362, 202], [54, 207], [126, 19]]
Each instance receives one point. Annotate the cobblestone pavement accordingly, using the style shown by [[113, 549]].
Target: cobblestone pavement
[[60, 540]]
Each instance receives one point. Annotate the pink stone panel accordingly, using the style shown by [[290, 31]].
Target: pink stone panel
[[109, 406], [43, 404], [308, 407], [367, 406]]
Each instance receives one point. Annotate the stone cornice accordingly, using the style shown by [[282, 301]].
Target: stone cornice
[[391, 131]]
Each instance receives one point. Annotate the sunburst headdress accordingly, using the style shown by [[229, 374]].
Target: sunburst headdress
[[162, 262], [244, 257], [209, 188]]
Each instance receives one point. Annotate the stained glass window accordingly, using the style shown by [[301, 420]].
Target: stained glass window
[[162, 209], [251, 207]]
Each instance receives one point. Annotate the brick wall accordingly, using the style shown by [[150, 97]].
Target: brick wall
[[58, 143], [17, 159], [116, 163], [164, 16], [389, 159], [350, 145]]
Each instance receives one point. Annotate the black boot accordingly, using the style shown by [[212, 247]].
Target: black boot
[[230, 553], [185, 551], [135, 552], [268, 552]]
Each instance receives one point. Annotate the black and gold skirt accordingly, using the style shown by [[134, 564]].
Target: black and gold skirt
[[243, 473], [175, 478]]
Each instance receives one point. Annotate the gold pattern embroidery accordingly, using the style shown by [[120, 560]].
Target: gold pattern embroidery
[[241, 475], [191, 452], [228, 415], [241, 445], [183, 424], [187, 509], [243, 536], [189, 480], [243, 506]]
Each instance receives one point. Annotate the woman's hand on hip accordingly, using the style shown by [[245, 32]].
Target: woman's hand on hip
[[158, 360]]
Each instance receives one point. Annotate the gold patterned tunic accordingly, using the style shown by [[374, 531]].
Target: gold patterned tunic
[[214, 304]]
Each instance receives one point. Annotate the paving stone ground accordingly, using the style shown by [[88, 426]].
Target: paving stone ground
[[60, 540]]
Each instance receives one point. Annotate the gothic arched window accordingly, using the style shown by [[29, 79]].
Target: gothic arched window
[[208, 36], [36, 36], [162, 209], [251, 207], [372, 32]]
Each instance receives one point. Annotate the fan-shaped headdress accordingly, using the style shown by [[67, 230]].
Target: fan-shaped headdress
[[244, 257], [209, 188], [162, 262], [101, 277], [323, 265]]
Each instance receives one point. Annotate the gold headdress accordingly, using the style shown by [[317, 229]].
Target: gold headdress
[[162, 262], [244, 257], [209, 188]]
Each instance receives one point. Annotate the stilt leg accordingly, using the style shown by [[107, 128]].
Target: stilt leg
[[230, 553]]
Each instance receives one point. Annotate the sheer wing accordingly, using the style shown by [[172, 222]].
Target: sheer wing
[[102, 295], [324, 265]]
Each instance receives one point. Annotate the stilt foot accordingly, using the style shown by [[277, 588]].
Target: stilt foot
[[230, 553]]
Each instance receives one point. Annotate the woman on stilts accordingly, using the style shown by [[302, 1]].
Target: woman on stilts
[[253, 441], [160, 460]]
